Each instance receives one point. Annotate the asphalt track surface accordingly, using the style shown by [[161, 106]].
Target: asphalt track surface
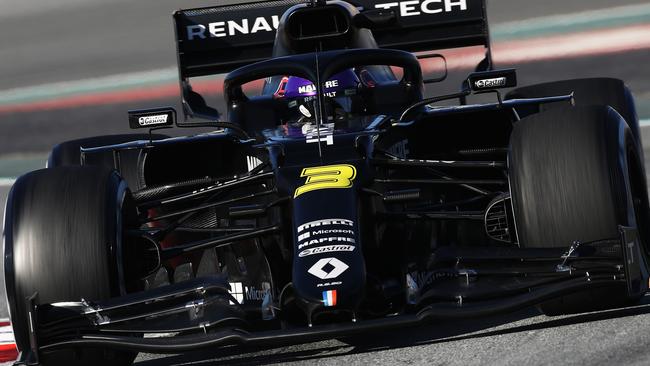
[[74, 39]]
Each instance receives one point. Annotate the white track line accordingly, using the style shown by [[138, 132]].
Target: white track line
[[6, 182], [591, 43], [554, 47], [117, 81], [573, 20], [6, 332]]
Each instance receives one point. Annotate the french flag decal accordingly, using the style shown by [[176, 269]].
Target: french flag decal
[[329, 298]]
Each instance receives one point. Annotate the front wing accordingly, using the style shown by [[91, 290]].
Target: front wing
[[176, 312]]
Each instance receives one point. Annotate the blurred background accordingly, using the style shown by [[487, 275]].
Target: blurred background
[[72, 68]]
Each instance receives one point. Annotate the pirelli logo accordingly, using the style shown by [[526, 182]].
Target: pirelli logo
[[326, 177]]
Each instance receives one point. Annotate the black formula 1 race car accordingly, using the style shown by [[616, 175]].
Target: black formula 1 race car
[[333, 199]]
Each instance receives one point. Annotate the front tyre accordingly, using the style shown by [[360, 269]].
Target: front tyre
[[575, 174], [62, 232]]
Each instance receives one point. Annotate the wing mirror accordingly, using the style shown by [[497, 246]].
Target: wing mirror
[[152, 118]]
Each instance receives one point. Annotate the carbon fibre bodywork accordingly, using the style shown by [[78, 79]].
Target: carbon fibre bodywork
[[268, 231]]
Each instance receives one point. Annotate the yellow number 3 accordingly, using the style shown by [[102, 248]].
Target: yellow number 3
[[324, 177]]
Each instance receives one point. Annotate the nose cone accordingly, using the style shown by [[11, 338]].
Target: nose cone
[[328, 264]]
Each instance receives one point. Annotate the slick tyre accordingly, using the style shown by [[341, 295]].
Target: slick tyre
[[576, 174], [62, 233], [68, 153], [591, 91]]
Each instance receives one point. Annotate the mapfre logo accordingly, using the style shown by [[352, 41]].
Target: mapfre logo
[[326, 177]]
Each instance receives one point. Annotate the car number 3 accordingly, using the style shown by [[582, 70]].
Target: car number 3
[[324, 177]]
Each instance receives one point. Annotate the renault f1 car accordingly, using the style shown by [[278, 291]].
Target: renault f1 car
[[333, 198]]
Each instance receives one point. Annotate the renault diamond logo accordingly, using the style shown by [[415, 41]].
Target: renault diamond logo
[[327, 268]]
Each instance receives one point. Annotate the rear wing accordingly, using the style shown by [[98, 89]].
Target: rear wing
[[219, 39]]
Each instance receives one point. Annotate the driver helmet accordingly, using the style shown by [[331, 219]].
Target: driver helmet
[[340, 100]]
